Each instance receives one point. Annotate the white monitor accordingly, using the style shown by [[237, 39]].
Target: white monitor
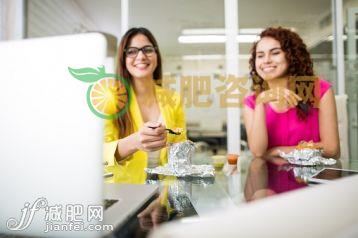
[[50, 141]]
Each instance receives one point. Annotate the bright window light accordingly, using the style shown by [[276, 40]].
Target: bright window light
[[330, 37]]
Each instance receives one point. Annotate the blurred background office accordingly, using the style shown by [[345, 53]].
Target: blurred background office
[[194, 41]]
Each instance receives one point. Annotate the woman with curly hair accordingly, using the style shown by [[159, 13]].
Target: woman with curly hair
[[278, 114]]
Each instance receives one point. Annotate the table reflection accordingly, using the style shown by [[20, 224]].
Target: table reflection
[[153, 215], [257, 178], [270, 176], [266, 178]]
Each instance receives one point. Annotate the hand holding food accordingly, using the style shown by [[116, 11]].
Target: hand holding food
[[151, 137], [282, 96]]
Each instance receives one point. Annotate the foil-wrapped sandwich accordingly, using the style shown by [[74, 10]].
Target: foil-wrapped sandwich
[[179, 162], [307, 154]]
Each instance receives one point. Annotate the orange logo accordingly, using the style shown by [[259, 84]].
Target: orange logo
[[108, 94]]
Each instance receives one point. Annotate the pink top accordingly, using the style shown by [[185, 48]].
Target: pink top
[[286, 129]]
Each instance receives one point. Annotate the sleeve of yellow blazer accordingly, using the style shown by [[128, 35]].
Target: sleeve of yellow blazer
[[111, 135], [180, 120]]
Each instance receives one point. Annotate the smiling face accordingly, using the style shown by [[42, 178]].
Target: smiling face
[[142, 65], [270, 61]]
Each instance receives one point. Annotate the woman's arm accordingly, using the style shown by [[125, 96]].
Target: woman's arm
[[255, 120], [275, 151], [328, 126], [115, 149], [126, 146], [255, 124]]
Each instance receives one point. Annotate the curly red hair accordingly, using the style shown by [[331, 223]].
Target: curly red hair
[[297, 56]]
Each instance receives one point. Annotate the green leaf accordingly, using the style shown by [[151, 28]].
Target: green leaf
[[101, 69], [87, 75]]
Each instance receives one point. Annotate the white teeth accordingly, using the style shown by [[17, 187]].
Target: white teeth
[[141, 65], [268, 69]]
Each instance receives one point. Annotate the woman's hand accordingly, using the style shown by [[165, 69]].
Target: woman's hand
[[282, 96], [149, 139]]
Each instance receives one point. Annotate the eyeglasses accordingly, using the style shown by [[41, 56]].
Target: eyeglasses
[[132, 52]]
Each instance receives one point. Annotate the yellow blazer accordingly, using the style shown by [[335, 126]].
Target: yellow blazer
[[131, 169]]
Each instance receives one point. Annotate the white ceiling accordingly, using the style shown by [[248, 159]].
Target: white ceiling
[[167, 18]]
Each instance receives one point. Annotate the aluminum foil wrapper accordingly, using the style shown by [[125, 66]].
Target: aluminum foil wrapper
[[192, 171], [306, 172], [179, 163], [307, 157], [179, 157]]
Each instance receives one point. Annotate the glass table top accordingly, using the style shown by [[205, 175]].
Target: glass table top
[[184, 198]]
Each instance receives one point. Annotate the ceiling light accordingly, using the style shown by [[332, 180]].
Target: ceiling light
[[250, 31], [211, 57], [217, 35], [202, 39], [220, 31], [203, 57], [204, 31], [247, 38]]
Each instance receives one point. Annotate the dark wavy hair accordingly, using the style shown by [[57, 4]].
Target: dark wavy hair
[[125, 121], [297, 56]]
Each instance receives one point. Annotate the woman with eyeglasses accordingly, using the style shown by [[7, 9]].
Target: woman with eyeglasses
[[137, 139], [281, 113]]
